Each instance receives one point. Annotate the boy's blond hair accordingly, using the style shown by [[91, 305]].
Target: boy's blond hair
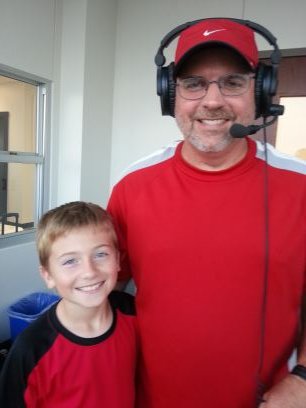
[[67, 217]]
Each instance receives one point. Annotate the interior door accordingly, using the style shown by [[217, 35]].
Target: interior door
[[4, 117], [292, 83]]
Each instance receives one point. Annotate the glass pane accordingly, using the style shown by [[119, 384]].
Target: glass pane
[[290, 136], [17, 115], [18, 197]]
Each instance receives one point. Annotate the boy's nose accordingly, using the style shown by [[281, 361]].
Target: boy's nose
[[89, 267]]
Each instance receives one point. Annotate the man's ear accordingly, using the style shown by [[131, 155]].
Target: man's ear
[[47, 277]]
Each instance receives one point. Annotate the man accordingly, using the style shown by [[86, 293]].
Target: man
[[214, 238]]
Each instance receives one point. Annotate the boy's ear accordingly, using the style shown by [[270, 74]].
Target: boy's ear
[[44, 273], [118, 259]]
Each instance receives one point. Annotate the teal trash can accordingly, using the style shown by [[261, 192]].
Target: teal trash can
[[27, 309]]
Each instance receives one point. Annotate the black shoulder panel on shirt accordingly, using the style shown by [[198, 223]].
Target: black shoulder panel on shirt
[[123, 301], [28, 348]]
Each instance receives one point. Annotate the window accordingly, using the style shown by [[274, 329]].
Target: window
[[22, 156]]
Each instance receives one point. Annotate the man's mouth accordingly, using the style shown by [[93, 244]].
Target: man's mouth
[[212, 122]]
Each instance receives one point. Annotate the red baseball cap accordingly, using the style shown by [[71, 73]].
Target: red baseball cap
[[217, 31]]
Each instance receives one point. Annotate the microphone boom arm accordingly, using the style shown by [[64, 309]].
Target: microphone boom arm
[[238, 131]]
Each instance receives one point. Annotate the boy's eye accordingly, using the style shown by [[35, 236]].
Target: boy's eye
[[100, 254], [69, 262]]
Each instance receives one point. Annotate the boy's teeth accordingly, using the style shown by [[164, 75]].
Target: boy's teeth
[[90, 287]]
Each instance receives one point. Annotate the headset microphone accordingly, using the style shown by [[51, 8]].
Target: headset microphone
[[239, 131]]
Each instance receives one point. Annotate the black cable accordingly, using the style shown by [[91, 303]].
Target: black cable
[[260, 389]]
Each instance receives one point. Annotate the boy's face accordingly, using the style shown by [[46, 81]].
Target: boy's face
[[83, 266]]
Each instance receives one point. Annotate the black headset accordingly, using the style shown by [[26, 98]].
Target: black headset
[[266, 78]]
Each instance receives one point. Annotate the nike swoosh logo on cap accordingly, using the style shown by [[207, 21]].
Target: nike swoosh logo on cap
[[207, 32]]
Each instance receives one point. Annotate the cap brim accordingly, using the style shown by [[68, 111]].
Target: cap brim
[[207, 44]]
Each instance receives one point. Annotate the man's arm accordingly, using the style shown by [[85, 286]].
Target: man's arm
[[301, 358], [291, 391]]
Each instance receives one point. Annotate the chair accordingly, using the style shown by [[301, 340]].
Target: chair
[[5, 222]]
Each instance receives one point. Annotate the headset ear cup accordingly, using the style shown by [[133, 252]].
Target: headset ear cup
[[265, 89], [166, 89], [258, 90], [172, 89]]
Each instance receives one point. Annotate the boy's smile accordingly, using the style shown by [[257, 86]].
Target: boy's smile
[[91, 288]]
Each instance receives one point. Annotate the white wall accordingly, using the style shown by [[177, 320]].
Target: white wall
[[70, 85], [286, 20], [85, 39], [99, 55], [98, 100], [26, 32], [18, 277]]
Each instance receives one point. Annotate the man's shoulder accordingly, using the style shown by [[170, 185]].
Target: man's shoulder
[[151, 162], [281, 160]]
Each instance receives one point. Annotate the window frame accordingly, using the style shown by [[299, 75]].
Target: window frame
[[40, 158]]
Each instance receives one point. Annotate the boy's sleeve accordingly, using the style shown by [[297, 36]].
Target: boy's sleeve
[[16, 387], [13, 377]]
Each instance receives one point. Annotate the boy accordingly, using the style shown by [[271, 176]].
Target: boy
[[82, 351]]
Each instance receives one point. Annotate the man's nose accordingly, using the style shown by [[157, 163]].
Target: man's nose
[[213, 97]]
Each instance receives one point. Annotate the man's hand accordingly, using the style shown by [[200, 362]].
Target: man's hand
[[289, 393]]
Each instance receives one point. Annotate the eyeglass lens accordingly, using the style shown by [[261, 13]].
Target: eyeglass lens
[[195, 87]]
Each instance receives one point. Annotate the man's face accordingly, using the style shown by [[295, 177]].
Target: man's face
[[205, 122]]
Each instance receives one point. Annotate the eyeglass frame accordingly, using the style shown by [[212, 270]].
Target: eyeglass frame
[[248, 77]]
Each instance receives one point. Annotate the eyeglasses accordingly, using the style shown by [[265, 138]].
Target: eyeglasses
[[195, 87]]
